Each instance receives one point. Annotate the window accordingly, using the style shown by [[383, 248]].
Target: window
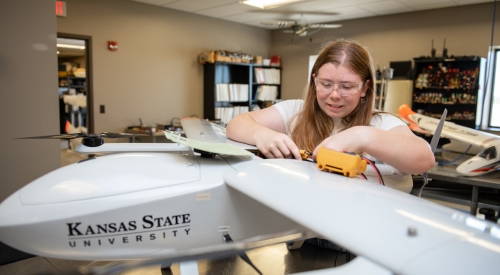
[[492, 100]]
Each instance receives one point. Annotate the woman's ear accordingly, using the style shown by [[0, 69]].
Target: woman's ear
[[365, 88]]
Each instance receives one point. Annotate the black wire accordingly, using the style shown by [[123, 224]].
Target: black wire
[[459, 157], [380, 178]]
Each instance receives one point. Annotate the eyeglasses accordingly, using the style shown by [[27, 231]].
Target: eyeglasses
[[343, 89]]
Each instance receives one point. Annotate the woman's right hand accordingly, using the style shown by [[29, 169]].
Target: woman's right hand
[[276, 145], [266, 130]]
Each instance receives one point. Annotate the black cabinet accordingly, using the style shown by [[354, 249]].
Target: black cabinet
[[233, 88], [455, 84], [72, 82]]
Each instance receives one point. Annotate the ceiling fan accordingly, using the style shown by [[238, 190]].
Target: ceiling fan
[[298, 29]]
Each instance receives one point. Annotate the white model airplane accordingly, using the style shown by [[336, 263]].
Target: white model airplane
[[485, 145], [164, 203]]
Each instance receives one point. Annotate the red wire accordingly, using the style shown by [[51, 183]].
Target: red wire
[[374, 168]]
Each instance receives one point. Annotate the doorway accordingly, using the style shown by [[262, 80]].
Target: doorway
[[74, 62], [75, 83]]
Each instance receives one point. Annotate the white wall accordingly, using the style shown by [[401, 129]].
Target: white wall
[[154, 74], [28, 97], [399, 37]]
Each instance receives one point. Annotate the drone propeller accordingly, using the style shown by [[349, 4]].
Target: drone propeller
[[90, 140]]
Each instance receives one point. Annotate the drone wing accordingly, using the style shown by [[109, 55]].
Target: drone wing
[[202, 130], [209, 137], [399, 232]]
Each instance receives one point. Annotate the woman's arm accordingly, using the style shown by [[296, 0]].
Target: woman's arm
[[398, 147], [266, 130]]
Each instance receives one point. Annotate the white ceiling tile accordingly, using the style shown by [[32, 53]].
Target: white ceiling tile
[[156, 2], [198, 5], [354, 12], [306, 11], [226, 10], [469, 2], [384, 6], [320, 5], [433, 6], [413, 3]]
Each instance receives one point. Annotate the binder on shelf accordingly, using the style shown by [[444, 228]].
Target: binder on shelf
[[225, 114], [267, 93], [232, 92], [267, 76]]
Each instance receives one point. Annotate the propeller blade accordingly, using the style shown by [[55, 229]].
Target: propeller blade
[[82, 135], [119, 135], [62, 136]]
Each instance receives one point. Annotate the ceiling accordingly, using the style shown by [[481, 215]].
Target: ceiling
[[306, 11]]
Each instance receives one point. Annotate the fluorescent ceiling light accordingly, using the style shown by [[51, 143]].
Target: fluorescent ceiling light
[[71, 46], [269, 4]]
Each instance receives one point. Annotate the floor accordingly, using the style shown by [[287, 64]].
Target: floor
[[270, 260]]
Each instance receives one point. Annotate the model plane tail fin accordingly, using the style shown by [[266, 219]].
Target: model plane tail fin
[[405, 113]]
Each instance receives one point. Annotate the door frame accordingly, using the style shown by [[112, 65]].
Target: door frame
[[88, 75]]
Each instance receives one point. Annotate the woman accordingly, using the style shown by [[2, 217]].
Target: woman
[[337, 113]]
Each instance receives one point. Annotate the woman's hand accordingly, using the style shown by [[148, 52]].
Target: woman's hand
[[397, 147], [350, 140], [276, 145], [266, 130]]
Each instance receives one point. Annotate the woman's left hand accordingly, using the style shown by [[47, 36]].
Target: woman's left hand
[[349, 140]]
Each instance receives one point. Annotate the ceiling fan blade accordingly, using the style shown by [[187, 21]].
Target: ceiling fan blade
[[302, 31], [291, 12], [280, 24], [288, 31], [324, 26]]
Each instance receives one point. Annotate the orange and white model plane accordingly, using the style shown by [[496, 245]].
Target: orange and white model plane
[[485, 144]]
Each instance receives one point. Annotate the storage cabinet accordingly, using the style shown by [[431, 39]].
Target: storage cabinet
[[455, 84], [72, 82], [233, 88]]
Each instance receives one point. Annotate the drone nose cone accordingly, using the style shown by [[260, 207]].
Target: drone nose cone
[[11, 216]]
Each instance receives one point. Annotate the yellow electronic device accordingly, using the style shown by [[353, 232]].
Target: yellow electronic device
[[350, 165]]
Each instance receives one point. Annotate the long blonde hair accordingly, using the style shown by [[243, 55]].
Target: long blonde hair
[[312, 125]]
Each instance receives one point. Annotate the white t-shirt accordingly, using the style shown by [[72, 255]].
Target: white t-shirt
[[289, 108], [392, 177]]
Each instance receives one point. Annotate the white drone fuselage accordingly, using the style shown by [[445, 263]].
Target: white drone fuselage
[[132, 206], [147, 205]]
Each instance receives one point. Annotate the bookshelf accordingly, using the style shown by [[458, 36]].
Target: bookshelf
[[233, 88]]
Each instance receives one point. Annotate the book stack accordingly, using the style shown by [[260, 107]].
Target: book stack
[[267, 76], [231, 92], [225, 114], [267, 93]]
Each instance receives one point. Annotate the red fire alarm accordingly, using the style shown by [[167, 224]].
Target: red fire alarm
[[112, 45]]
